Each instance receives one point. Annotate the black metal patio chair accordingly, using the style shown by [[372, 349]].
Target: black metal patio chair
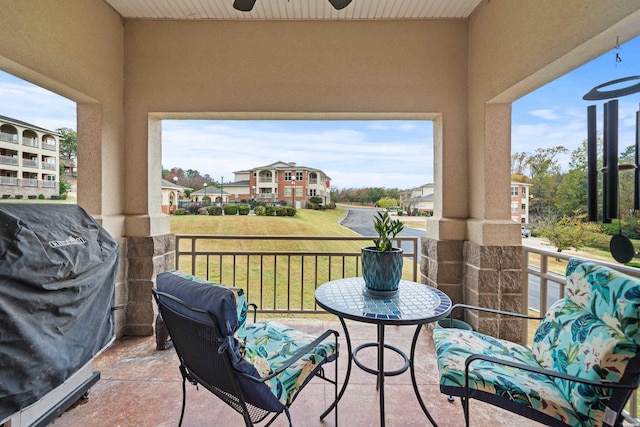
[[217, 350]]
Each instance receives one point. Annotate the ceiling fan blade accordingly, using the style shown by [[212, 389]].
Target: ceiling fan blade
[[339, 4], [244, 5]]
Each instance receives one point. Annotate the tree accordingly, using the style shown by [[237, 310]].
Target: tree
[[571, 232], [68, 143], [519, 163], [387, 202], [545, 173], [572, 193], [64, 186]]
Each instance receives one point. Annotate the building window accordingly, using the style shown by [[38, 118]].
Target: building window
[[524, 207], [298, 191], [514, 191], [287, 176], [514, 207], [287, 191], [312, 192], [298, 176]]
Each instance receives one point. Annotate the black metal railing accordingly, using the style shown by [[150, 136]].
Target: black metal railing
[[284, 279]]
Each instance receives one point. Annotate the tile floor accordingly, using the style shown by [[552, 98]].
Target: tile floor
[[140, 386]]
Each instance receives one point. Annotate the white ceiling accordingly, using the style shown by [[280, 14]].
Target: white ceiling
[[294, 9]]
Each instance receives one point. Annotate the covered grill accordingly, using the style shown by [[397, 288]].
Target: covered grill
[[57, 284]]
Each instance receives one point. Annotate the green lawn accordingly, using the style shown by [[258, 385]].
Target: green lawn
[[285, 283]]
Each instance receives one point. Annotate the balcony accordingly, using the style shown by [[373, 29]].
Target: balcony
[[142, 386], [49, 166], [9, 160], [8, 180], [9, 137], [47, 146], [132, 366], [30, 142], [30, 163], [28, 182], [48, 184]]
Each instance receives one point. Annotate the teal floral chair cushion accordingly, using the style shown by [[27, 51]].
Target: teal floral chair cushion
[[591, 334], [503, 386], [238, 293], [268, 345]]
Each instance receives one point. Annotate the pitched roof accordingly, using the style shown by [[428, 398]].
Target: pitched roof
[[25, 124]]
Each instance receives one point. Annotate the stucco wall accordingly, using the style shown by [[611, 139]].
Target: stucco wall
[[74, 48], [514, 48], [280, 67]]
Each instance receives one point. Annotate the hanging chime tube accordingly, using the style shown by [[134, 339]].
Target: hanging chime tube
[[636, 181], [611, 156], [592, 163]]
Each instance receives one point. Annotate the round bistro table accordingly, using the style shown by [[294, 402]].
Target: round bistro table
[[415, 304]]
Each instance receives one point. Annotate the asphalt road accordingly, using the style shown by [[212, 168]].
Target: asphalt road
[[360, 220]]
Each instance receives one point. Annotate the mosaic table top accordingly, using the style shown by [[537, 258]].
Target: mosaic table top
[[415, 303]]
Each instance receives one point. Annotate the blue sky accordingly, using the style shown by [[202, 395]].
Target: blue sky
[[355, 153]]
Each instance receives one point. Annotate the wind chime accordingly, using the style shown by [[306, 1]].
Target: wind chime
[[620, 246]]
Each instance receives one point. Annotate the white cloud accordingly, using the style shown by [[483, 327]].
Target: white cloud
[[347, 151], [546, 114]]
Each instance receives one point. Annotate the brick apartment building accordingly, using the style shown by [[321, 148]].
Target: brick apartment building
[[280, 181]]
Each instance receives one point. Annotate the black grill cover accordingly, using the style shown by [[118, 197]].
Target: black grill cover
[[57, 286]]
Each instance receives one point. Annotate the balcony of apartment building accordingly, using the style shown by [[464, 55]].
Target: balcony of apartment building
[[49, 143], [8, 133], [29, 179], [289, 299], [30, 160], [30, 139], [129, 73], [265, 177], [8, 178], [48, 181], [49, 163], [8, 157]]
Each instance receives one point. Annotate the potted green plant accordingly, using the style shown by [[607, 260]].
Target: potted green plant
[[382, 263]]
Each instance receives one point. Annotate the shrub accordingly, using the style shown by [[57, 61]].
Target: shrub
[[32, 196], [260, 210], [270, 210], [214, 210], [243, 209], [41, 196], [332, 205], [230, 210], [54, 197], [281, 211], [181, 211], [6, 196], [202, 211], [194, 208], [291, 211], [399, 213], [18, 196]]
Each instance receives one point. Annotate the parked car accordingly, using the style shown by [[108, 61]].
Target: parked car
[[525, 232]]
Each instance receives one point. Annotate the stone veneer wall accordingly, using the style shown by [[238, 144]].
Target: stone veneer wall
[[146, 257], [120, 315], [493, 279], [442, 266]]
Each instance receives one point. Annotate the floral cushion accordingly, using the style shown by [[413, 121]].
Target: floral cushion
[[592, 333], [241, 300], [269, 344], [501, 385]]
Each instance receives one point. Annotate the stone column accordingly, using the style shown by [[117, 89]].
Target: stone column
[[493, 279], [146, 258], [442, 266]]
